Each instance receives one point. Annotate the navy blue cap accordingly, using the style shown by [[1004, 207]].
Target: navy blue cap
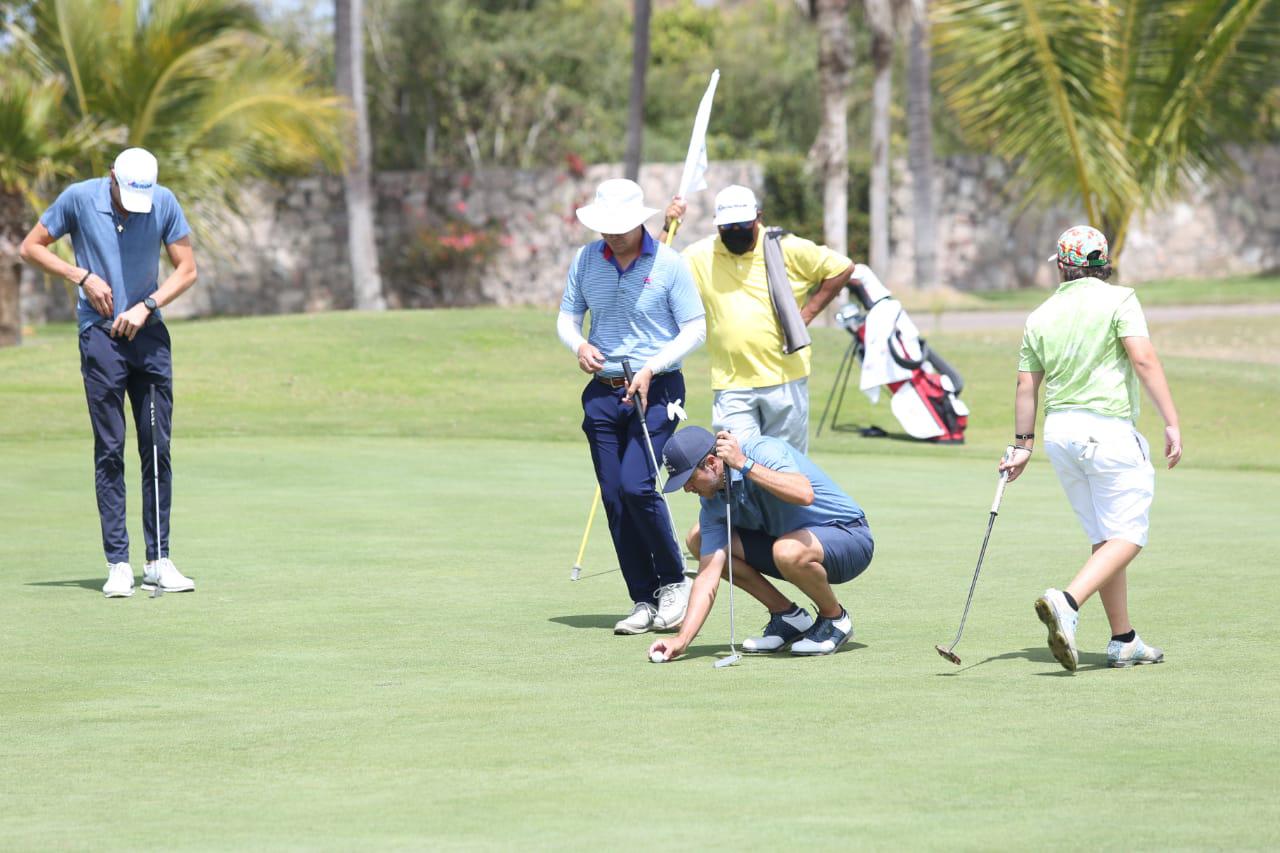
[[685, 451]]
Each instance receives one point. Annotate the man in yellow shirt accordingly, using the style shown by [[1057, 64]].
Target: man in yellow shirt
[[758, 388]]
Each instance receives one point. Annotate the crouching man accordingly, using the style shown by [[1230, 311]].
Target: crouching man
[[790, 522]]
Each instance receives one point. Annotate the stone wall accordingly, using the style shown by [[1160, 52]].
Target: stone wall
[[989, 239], [506, 236], [494, 237]]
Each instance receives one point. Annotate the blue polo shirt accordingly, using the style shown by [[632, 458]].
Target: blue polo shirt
[[636, 311], [124, 252], [756, 509]]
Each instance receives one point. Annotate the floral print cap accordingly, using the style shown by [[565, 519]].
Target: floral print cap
[[1076, 245]]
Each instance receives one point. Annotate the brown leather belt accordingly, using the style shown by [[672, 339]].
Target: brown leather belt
[[617, 382]]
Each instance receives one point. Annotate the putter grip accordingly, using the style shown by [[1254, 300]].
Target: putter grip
[[1004, 481], [626, 371]]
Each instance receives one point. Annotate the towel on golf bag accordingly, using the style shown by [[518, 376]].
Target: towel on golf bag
[[795, 335], [887, 324]]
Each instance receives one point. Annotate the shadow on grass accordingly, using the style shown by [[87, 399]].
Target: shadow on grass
[[1040, 654], [718, 650], [588, 620], [94, 584]]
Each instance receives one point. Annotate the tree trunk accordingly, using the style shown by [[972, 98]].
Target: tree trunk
[[639, 67], [830, 152], [880, 17], [12, 221], [920, 146], [348, 26]]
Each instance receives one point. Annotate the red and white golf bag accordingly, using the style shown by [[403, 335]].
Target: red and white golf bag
[[925, 388]]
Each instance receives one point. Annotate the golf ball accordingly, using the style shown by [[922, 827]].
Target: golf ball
[[656, 657]]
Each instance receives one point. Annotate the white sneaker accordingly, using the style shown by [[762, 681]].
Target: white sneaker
[[119, 581], [1060, 618], [166, 574], [1132, 653], [639, 622], [673, 601]]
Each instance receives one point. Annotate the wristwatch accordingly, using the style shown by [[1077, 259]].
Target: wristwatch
[[747, 466], [151, 304]]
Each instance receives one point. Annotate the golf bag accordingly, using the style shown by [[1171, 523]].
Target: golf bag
[[925, 389]]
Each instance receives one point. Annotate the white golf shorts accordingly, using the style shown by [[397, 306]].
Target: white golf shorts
[[781, 411], [1104, 465]]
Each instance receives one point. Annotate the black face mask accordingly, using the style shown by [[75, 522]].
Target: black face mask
[[738, 240]]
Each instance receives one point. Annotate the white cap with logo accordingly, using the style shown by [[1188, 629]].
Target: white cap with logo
[[136, 172], [735, 204]]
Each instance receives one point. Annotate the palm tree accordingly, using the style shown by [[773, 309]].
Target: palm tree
[[37, 148], [920, 145], [884, 19], [1118, 106], [830, 152], [348, 41], [639, 68], [197, 82]]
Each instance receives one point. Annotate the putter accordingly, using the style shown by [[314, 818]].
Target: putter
[[582, 549], [950, 652], [641, 407], [156, 591], [733, 656]]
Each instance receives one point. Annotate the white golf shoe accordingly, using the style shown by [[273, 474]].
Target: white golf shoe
[[639, 622], [673, 601], [1133, 653], [1060, 618], [119, 581], [166, 574]]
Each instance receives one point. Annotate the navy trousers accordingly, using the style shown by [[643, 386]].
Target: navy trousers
[[638, 520], [112, 368]]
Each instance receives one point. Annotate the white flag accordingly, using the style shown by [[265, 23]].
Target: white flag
[[695, 162]]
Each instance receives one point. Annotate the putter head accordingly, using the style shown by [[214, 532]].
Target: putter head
[[576, 573], [156, 591], [727, 661], [948, 654]]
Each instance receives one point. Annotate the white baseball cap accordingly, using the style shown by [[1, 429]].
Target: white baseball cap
[[735, 204], [618, 208], [136, 171]]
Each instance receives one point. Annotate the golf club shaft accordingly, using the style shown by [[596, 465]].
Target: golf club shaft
[[155, 471], [728, 551], [641, 408], [991, 521]]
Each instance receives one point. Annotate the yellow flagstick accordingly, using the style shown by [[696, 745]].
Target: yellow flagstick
[[586, 534]]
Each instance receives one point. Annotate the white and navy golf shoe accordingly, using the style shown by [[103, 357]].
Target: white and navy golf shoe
[[825, 636], [783, 628]]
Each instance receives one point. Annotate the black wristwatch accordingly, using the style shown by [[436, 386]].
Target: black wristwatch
[[151, 304]]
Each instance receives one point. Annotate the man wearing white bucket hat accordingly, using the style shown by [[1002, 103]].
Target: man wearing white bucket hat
[[644, 311], [117, 225]]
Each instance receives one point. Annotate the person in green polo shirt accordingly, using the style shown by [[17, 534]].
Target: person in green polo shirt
[[1088, 346]]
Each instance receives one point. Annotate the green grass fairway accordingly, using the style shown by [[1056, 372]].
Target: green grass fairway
[[385, 650]]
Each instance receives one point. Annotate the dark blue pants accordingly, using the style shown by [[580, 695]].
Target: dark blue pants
[[112, 368], [638, 520]]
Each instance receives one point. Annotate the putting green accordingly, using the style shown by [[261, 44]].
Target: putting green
[[385, 650]]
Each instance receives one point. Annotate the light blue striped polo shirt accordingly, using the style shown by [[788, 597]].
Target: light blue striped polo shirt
[[754, 508], [634, 312]]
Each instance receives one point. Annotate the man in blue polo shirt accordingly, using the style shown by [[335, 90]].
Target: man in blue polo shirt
[[117, 225], [790, 521], [644, 308]]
